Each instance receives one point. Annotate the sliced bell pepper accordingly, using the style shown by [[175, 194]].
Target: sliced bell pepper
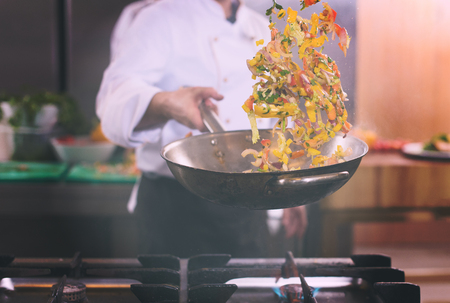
[[320, 159], [265, 142], [248, 104], [331, 111], [314, 24], [281, 13], [297, 154], [307, 3], [292, 15], [313, 152], [344, 39]]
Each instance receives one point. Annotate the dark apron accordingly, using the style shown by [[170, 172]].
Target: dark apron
[[174, 221]]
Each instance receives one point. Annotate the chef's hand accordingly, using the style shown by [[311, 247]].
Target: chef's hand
[[295, 221], [180, 105]]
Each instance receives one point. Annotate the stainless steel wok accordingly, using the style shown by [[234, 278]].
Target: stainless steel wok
[[211, 166]]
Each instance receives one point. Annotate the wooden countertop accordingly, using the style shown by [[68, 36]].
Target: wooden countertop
[[394, 158], [391, 180]]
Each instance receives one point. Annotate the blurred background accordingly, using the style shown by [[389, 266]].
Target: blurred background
[[394, 74]]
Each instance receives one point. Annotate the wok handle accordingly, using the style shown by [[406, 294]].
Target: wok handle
[[210, 118], [283, 184]]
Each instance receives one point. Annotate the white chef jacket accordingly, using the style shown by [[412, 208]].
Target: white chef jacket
[[122, 25], [170, 44]]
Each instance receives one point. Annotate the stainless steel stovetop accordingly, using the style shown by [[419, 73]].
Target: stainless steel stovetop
[[207, 278]]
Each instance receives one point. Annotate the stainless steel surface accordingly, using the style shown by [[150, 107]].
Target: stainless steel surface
[[276, 185], [211, 166], [210, 119]]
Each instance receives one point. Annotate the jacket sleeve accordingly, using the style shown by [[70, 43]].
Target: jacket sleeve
[[131, 79]]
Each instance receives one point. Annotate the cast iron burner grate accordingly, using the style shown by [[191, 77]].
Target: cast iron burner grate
[[387, 284], [219, 278]]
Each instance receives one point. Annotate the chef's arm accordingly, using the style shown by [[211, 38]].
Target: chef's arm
[[180, 105], [295, 221]]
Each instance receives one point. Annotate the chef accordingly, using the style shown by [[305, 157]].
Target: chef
[[167, 56]]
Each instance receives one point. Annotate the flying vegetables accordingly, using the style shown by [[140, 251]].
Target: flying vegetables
[[283, 84]]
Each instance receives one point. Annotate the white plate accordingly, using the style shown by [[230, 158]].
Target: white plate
[[416, 150]]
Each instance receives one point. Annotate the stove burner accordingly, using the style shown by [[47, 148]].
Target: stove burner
[[73, 292], [68, 292], [213, 278], [296, 293], [290, 293]]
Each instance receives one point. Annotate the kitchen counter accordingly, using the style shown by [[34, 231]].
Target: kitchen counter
[[387, 187]]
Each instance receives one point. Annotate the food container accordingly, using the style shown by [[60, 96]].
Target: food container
[[33, 144], [82, 150]]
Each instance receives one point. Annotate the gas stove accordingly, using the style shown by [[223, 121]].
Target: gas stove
[[204, 279]]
